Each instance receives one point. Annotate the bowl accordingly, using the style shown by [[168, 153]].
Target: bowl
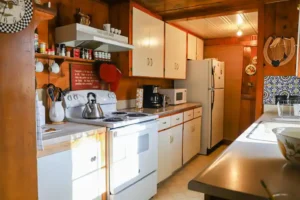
[[288, 140]]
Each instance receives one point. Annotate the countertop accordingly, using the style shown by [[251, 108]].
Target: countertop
[[69, 132], [252, 157], [167, 110]]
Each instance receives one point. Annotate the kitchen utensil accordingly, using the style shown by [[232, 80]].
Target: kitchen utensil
[[114, 85], [108, 72], [267, 190], [288, 139], [51, 91], [39, 67], [56, 112], [92, 109], [119, 32], [106, 27], [116, 31], [54, 68]]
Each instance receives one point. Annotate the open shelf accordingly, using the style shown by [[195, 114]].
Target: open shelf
[[62, 58], [44, 13]]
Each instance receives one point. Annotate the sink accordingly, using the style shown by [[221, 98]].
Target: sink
[[263, 130]]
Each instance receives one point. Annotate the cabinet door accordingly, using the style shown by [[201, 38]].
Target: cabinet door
[[156, 53], [175, 53], [196, 135], [192, 47], [164, 160], [176, 147], [187, 141], [141, 23], [200, 47]]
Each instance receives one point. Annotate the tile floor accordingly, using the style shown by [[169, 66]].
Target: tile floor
[[175, 187]]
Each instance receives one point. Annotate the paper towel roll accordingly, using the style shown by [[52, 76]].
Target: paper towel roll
[[139, 98]]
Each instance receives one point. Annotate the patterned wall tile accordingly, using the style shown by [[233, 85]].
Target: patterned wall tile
[[280, 85]]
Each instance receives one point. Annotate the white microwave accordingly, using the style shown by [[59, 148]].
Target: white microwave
[[174, 96]]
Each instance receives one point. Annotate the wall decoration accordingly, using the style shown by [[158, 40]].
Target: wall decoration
[[250, 70], [279, 51], [280, 85], [84, 77]]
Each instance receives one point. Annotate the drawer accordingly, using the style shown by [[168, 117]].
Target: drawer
[[188, 115], [176, 119], [197, 112], [164, 123]]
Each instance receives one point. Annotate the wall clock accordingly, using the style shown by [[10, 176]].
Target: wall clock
[[15, 15]]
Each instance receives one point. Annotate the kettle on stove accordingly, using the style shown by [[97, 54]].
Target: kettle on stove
[[92, 109]]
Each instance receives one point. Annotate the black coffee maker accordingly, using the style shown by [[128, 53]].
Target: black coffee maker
[[151, 98]]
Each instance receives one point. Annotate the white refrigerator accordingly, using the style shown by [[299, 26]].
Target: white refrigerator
[[205, 84]]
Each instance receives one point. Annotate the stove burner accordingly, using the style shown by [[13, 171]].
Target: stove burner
[[137, 115], [113, 119], [119, 113]]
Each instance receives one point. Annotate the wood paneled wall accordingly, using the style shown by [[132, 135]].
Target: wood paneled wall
[[281, 19], [233, 57], [100, 15], [18, 163]]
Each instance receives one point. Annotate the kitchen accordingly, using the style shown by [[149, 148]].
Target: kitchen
[[24, 158]]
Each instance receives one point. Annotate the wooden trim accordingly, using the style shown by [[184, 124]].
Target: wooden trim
[[227, 142], [260, 62], [185, 30], [248, 40]]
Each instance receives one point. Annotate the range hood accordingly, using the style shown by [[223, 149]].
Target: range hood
[[78, 35]]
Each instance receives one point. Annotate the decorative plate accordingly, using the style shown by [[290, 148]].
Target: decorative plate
[[15, 15], [250, 70]]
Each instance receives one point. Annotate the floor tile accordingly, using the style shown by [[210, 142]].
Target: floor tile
[[175, 187]]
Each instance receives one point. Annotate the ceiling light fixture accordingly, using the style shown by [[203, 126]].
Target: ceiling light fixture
[[239, 33]]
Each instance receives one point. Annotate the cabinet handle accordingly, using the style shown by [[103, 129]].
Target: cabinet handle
[[93, 158], [151, 61], [175, 67], [171, 139], [177, 119], [190, 115], [164, 122], [148, 61]]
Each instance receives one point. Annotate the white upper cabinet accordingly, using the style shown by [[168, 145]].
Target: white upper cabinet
[[192, 47], [148, 41], [200, 47], [175, 53]]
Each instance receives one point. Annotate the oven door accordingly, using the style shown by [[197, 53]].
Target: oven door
[[133, 154], [180, 96]]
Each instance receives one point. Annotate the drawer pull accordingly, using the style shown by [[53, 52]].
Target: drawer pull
[[177, 119], [93, 158], [189, 115], [164, 122]]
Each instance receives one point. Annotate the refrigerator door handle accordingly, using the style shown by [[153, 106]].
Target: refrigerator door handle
[[213, 77], [212, 99]]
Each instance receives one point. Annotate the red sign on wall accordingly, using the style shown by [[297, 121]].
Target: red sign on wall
[[84, 77]]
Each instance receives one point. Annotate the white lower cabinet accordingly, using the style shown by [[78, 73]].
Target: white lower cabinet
[[74, 174], [191, 139], [169, 152]]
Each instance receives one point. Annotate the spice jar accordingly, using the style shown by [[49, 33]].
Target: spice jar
[[42, 47]]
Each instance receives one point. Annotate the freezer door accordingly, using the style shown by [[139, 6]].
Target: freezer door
[[218, 74], [217, 117]]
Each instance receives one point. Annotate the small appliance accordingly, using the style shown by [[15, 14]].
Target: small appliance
[[205, 83], [175, 96], [152, 99]]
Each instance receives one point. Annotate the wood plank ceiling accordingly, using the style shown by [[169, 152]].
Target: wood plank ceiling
[[181, 9], [223, 26]]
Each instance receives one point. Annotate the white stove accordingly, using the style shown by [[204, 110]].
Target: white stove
[[76, 100], [132, 144]]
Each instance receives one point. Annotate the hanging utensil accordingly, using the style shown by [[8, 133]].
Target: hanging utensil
[[51, 91]]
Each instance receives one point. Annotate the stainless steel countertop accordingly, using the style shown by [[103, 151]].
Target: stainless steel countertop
[[167, 110], [237, 172]]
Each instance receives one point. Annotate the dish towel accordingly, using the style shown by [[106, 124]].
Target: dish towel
[[39, 131]]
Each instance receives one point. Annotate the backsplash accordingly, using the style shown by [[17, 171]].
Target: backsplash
[[280, 85]]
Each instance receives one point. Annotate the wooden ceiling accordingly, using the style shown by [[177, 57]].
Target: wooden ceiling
[[172, 10], [222, 26]]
